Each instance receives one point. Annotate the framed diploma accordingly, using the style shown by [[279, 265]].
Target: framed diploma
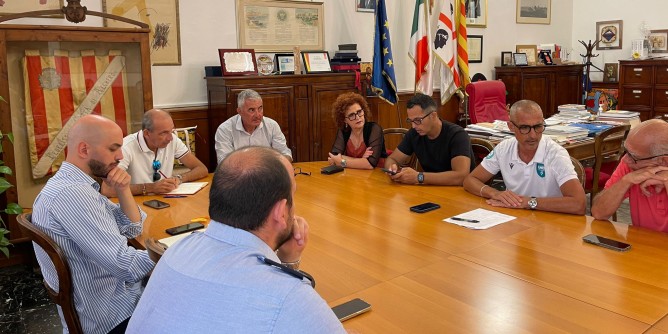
[[316, 61], [237, 61], [285, 63]]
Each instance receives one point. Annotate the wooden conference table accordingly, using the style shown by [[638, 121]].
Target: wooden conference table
[[421, 275]]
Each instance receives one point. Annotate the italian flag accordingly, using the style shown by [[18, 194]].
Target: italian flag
[[420, 50]]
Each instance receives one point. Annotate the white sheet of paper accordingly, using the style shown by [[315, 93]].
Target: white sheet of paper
[[188, 188], [485, 218], [169, 241]]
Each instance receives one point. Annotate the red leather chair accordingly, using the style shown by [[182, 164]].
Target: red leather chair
[[487, 101]]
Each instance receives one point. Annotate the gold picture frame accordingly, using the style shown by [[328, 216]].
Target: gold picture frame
[[658, 40], [531, 52], [533, 11], [279, 26], [162, 16], [476, 13], [20, 6]]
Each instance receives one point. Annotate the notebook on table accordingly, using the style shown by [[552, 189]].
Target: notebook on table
[[188, 188]]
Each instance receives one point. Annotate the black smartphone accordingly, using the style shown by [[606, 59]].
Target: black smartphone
[[184, 228], [425, 207], [351, 309], [607, 243], [154, 203], [331, 169], [389, 171]]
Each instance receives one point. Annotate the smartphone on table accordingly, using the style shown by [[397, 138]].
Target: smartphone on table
[[425, 207], [184, 228], [351, 309], [607, 243], [156, 204], [389, 171]]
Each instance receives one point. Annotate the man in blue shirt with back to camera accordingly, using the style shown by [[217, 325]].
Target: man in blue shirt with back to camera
[[219, 280]]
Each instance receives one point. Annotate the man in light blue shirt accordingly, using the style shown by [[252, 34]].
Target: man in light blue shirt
[[92, 231], [217, 281], [249, 128]]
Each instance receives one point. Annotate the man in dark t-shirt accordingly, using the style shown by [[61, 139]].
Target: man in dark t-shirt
[[442, 148]]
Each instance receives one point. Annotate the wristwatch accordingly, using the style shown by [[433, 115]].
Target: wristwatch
[[533, 203], [420, 177], [343, 163], [180, 177]]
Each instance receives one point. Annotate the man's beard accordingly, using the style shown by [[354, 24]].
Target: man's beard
[[98, 169], [287, 233]]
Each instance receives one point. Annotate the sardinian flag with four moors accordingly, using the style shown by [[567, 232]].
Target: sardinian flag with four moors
[[63, 87]]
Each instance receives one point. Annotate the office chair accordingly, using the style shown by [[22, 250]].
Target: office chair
[[487, 101], [393, 137]]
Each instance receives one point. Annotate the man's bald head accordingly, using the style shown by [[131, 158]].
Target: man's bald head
[[652, 135], [92, 129], [524, 106], [151, 116]]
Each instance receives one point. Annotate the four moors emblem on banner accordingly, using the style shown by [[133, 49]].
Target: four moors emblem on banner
[[63, 87]]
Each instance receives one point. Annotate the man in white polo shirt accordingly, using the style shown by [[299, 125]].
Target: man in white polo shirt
[[538, 173], [148, 156]]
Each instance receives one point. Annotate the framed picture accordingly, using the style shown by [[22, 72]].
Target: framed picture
[[265, 63], [368, 6], [316, 61], [237, 61], [475, 48], [506, 58], [476, 13], [285, 63], [530, 51], [162, 16], [610, 35], [658, 40], [520, 59], [545, 57], [20, 6], [280, 25], [610, 72], [533, 11]]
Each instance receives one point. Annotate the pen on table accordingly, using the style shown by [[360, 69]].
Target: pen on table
[[175, 196], [465, 220]]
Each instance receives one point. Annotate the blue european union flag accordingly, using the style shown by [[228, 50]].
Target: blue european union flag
[[383, 80]]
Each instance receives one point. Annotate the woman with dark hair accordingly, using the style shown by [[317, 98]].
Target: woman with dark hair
[[359, 143]]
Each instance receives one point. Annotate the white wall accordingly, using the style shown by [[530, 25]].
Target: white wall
[[208, 25], [587, 13]]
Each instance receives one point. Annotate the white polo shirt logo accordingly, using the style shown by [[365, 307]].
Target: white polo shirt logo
[[511, 165], [540, 169]]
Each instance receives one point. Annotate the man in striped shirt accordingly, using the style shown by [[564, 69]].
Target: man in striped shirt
[[93, 231]]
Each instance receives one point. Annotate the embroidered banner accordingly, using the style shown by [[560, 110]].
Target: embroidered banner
[[61, 88]]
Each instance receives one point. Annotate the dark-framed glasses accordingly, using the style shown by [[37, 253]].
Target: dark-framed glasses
[[298, 171], [355, 115], [637, 160], [524, 129], [418, 120], [156, 167]]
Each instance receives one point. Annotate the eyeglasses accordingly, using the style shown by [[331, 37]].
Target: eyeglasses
[[298, 171], [418, 120], [637, 160], [156, 167], [524, 129], [355, 115]]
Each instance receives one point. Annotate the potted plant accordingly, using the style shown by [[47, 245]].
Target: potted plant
[[12, 208]]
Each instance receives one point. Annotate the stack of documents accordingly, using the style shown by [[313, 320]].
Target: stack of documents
[[565, 133], [497, 130], [621, 116], [593, 127], [571, 107], [479, 219]]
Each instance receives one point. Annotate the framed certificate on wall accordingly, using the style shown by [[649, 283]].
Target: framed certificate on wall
[[316, 61]]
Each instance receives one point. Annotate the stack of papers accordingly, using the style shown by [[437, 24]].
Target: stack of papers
[[621, 116], [484, 219], [593, 127], [565, 133], [497, 130], [571, 107]]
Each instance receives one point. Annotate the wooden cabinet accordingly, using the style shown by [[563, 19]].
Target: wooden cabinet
[[301, 104], [549, 86], [643, 87]]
